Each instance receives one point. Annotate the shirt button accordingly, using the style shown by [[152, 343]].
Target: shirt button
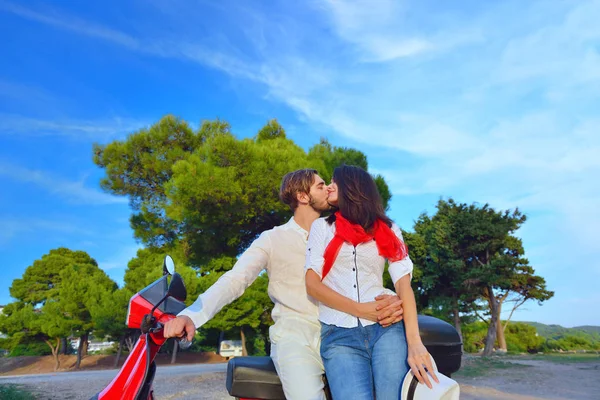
[[353, 269], [355, 286]]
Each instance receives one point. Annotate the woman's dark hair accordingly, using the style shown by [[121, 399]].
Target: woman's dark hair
[[358, 198]]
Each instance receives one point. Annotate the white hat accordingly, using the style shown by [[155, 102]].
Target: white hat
[[447, 389]]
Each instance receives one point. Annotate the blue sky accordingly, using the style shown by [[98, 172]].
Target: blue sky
[[491, 102]]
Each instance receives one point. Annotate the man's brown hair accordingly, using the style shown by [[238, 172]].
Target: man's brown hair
[[296, 182]]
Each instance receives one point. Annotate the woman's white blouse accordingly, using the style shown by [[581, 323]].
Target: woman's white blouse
[[357, 272]]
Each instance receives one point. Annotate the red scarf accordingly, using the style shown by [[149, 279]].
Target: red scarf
[[388, 244]]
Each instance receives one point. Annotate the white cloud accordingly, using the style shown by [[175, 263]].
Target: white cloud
[[74, 191], [510, 119], [13, 227], [71, 23], [120, 258], [100, 130], [375, 29], [14, 91]]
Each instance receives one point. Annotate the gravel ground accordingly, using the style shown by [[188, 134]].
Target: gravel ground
[[534, 380], [170, 383]]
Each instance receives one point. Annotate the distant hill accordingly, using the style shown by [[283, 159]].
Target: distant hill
[[557, 331], [589, 328]]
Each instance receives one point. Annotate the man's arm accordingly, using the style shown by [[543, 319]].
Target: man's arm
[[224, 291]]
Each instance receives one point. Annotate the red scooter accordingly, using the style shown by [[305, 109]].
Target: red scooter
[[248, 378], [148, 311]]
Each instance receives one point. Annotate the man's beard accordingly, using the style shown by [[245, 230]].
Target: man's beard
[[319, 208]]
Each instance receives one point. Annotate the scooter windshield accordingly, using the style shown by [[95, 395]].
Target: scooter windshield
[[155, 292]]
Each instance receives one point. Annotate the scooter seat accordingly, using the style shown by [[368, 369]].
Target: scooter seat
[[253, 378]]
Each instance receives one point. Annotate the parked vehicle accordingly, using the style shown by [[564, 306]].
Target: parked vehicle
[[230, 348], [148, 311], [253, 378]]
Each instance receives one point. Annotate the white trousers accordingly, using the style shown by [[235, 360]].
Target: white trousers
[[295, 350]]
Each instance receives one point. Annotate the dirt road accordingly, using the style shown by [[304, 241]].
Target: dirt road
[[519, 378], [522, 378]]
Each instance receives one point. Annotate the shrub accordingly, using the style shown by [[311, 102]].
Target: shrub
[[30, 349]]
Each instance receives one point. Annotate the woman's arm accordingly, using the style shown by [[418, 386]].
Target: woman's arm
[[319, 291], [411, 323], [418, 357]]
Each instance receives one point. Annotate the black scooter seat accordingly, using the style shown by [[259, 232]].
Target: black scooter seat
[[253, 377]]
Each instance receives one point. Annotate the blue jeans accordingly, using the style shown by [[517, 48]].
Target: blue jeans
[[364, 362]]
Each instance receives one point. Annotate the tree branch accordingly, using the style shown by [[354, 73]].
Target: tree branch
[[517, 305], [480, 317]]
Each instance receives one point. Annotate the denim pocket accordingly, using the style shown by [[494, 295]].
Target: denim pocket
[[326, 330]]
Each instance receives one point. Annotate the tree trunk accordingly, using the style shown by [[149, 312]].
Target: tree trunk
[[80, 349], [64, 349], [456, 317], [221, 338], [86, 343], [244, 350], [490, 338], [175, 348], [55, 351], [119, 351], [500, 331], [267, 341]]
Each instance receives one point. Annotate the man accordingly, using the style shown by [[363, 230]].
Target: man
[[295, 335]]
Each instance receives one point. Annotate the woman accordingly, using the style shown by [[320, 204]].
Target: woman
[[346, 258]]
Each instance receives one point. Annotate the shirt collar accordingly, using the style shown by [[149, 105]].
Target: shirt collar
[[292, 224]]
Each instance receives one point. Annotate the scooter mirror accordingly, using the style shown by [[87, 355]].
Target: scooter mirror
[[177, 288], [168, 266]]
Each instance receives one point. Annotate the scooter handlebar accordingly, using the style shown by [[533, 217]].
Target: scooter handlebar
[[183, 342]]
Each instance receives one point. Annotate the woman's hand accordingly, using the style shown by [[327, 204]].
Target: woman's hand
[[390, 309], [386, 310], [419, 359], [368, 311]]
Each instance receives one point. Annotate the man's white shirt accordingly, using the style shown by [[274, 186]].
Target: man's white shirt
[[280, 251], [357, 272]]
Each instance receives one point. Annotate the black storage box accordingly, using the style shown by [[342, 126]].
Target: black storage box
[[255, 377]]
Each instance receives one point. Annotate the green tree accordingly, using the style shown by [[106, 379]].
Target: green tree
[[252, 311], [41, 280], [52, 325], [333, 156], [109, 316], [494, 255], [272, 130], [471, 252], [436, 249], [524, 285], [207, 195], [140, 166], [83, 287], [21, 321], [231, 180], [183, 184], [42, 283]]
